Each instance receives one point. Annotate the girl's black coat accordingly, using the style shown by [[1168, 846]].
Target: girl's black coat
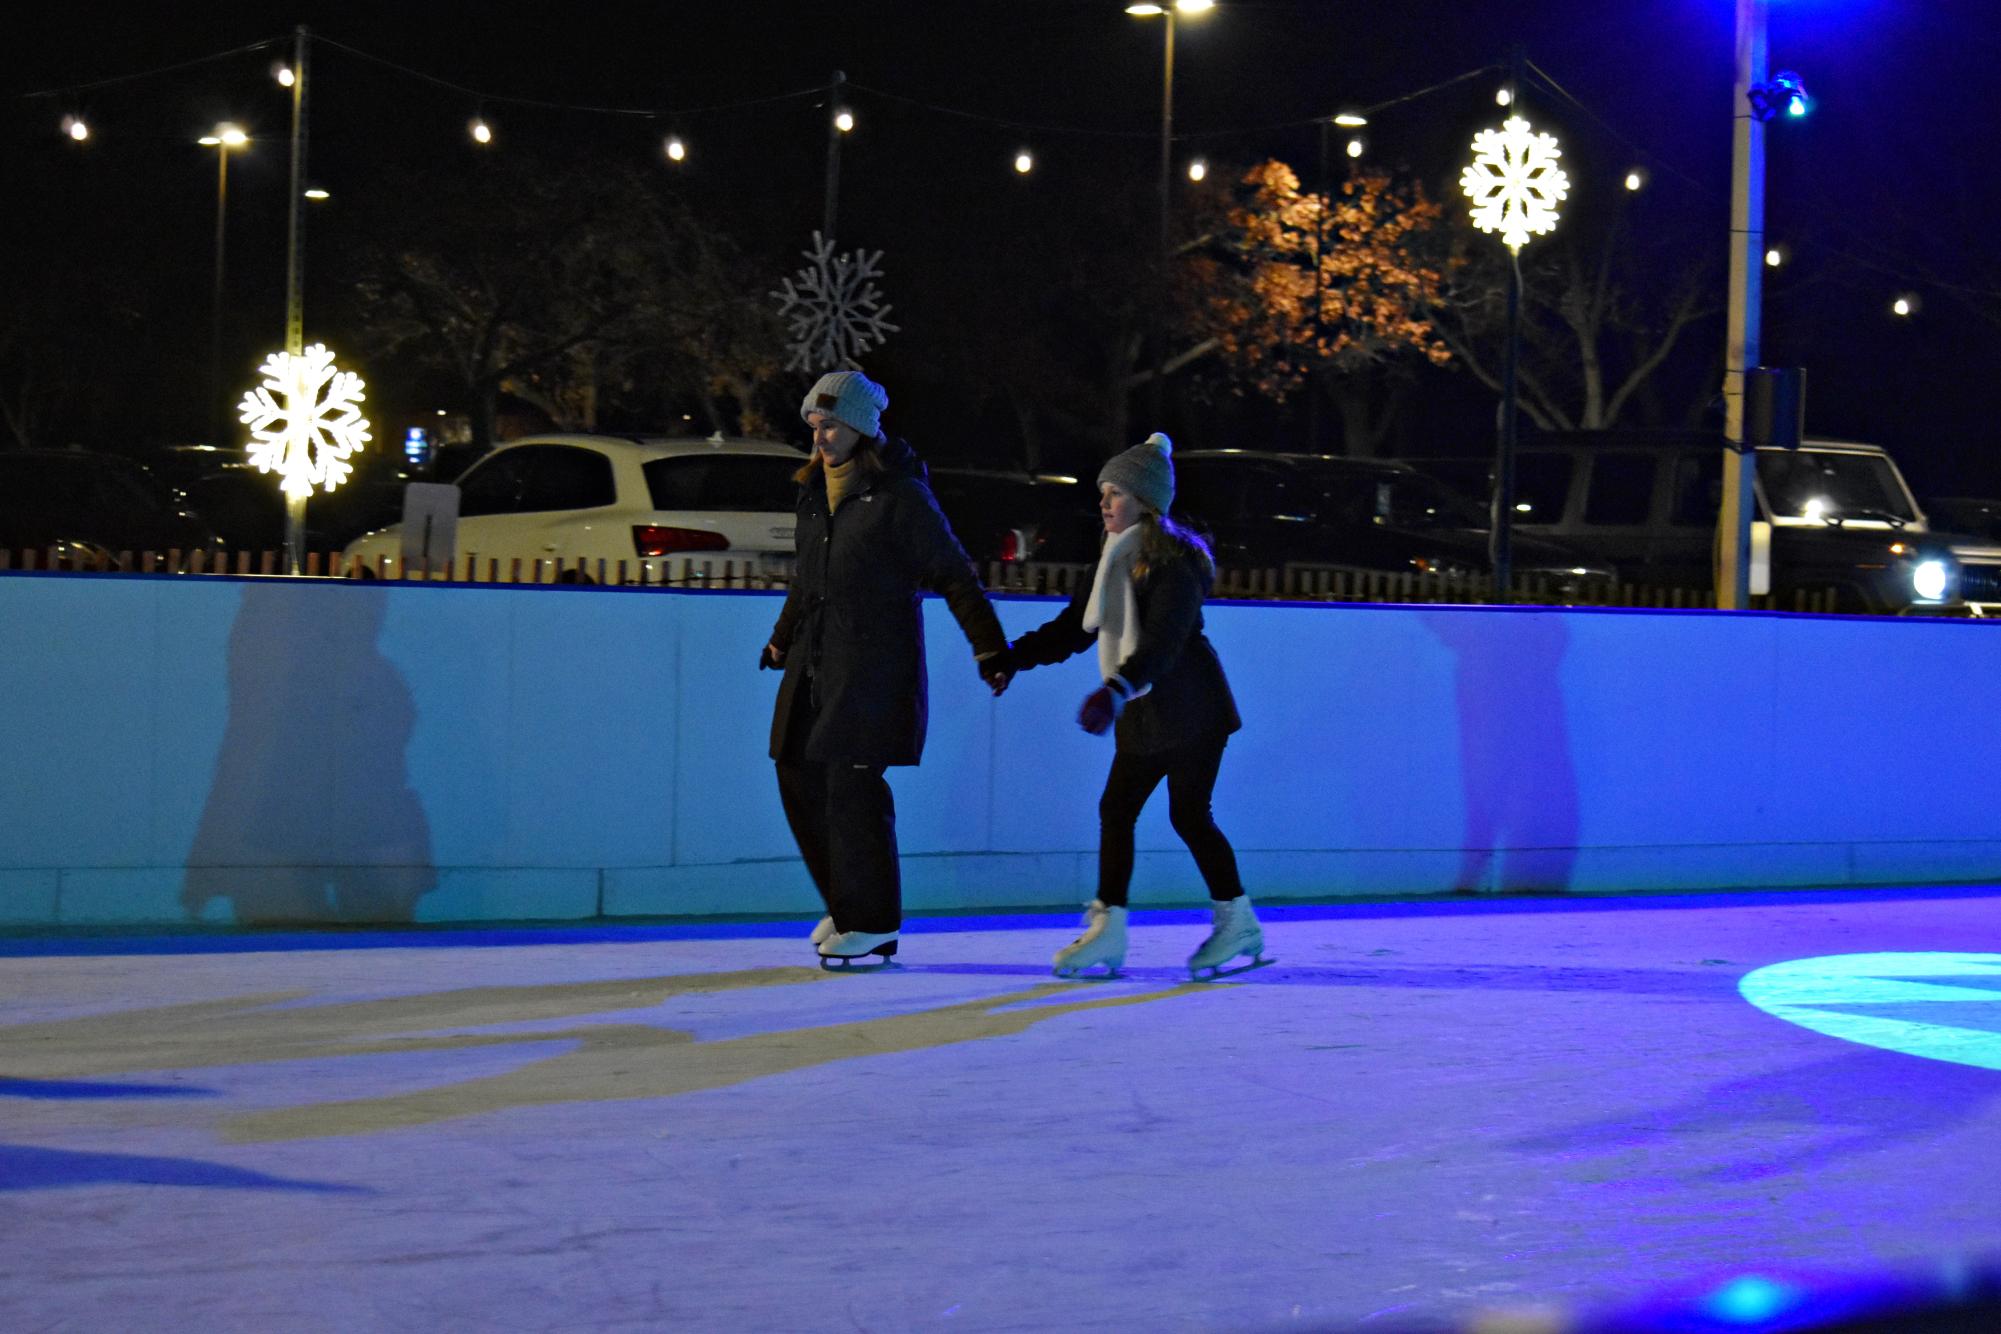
[[1190, 701], [851, 629]]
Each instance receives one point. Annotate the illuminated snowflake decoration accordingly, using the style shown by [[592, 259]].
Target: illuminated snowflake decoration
[[1514, 182], [834, 308], [305, 420]]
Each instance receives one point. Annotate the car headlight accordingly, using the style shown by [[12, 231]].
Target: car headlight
[[1929, 579]]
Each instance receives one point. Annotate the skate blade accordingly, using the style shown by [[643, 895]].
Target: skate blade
[[1217, 972], [1111, 972], [861, 963]]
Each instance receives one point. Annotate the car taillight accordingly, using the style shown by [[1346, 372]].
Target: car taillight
[[650, 539], [1011, 544]]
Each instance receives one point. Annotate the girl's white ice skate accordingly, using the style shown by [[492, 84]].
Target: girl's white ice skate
[[1103, 942], [821, 932], [1234, 935], [861, 951]]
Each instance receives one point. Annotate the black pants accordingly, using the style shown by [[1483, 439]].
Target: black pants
[[843, 817], [1191, 779]]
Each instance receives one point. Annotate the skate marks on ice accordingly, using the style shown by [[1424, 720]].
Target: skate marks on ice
[[601, 1062]]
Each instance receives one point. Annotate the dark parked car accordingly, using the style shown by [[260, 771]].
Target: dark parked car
[[1270, 510], [1019, 516], [247, 509], [91, 507], [1836, 516]]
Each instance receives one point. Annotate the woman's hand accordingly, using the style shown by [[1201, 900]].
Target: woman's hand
[[998, 669], [771, 659]]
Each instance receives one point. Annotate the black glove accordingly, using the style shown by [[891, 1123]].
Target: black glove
[[770, 659], [998, 669]]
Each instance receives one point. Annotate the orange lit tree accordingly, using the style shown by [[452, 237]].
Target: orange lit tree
[[1329, 294]]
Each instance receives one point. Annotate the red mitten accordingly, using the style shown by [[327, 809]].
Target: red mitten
[[1100, 711]]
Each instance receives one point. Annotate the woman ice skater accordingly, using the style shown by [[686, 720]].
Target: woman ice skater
[[1164, 690], [850, 640]]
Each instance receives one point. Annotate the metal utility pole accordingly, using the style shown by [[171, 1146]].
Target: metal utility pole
[[1741, 352]]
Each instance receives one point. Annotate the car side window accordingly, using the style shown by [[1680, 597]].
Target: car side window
[[493, 486], [1698, 489], [746, 483], [564, 477], [1542, 486], [1621, 491], [1210, 493]]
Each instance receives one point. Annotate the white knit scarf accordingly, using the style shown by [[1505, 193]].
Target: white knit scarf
[[1112, 610]]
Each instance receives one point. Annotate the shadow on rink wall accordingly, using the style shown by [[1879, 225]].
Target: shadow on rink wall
[[1514, 749], [312, 774]]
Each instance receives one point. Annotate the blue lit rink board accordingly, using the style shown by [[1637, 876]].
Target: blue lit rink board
[[1422, 1113]]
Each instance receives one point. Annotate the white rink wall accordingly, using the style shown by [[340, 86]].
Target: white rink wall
[[225, 750]]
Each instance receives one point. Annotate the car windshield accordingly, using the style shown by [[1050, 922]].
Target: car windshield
[[1395, 498], [1831, 486], [756, 483]]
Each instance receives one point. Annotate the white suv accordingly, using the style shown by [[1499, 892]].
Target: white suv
[[633, 509]]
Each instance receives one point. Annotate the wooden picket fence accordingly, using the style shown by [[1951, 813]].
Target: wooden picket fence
[[1331, 583], [1288, 583], [665, 572]]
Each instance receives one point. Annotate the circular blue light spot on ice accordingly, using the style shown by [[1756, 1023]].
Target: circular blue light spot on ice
[[1943, 1006], [1751, 1300]]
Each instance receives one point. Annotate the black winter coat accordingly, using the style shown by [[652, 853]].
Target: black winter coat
[[1190, 701], [852, 630]]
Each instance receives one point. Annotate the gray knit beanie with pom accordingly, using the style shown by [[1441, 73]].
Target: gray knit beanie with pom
[[1144, 472]]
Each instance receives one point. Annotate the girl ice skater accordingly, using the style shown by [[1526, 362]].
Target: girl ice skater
[[1164, 689]]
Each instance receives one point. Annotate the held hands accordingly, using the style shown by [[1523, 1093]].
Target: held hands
[[771, 659], [1101, 710], [998, 669]]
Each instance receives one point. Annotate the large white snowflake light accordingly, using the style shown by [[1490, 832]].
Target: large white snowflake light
[[305, 420], [1514, 182], [834, 307]]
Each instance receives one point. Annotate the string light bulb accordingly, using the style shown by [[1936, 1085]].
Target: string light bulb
[[481, 132], [283, 74], [1355, 147], [1504, 97], [74, 127], [1636, 179], [1197, 169], [1024, 162], [676, 150], [844, 120]]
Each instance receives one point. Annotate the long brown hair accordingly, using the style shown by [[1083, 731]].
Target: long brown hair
[[867, 451], [1163, 541]]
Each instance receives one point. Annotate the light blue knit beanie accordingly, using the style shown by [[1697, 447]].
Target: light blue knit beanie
[[850, 397]]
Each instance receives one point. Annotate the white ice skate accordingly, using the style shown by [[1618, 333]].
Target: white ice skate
[[1103, 942], [821, 932], [853, 950], [1234, 935]]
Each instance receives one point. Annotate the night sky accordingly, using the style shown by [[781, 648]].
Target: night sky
[[1881, 190]]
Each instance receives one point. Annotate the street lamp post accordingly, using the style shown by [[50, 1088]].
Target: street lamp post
[[295, 278], [1166, 11], [225, 138]]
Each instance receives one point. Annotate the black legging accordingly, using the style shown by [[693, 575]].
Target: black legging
[[1191, 778]]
